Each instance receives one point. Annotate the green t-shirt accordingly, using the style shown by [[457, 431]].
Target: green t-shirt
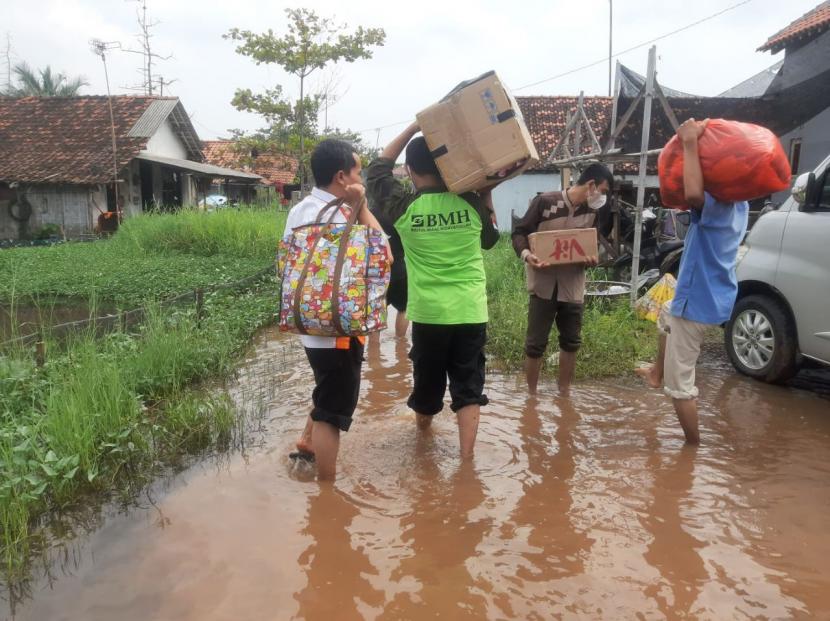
[[442, 236]]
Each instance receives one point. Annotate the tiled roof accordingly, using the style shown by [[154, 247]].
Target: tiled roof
[[275, 169], [67, 139], [546, 118], [805, 27]]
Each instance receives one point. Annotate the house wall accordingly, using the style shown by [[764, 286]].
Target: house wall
[[514, 195], [165, 142], [803, 63], [815, 146], [71, 207]]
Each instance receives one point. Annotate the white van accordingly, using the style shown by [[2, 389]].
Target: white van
[[783, 310]]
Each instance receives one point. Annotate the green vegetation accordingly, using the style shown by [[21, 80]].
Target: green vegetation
[[104, 412], [151, 257], [614, 339], [42, 83]]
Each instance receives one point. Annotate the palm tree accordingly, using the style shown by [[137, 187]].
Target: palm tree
[[47, 84]]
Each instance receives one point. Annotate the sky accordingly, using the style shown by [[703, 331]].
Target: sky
[[431, 45]]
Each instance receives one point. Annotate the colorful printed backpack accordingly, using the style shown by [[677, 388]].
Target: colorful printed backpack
[[325, 262]]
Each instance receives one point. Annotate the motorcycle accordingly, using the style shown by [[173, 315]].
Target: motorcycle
[[661, 247]]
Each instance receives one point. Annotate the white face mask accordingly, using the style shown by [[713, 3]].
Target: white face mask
[[596, 200]]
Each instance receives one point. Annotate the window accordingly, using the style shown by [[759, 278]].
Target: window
[[795, 154], [823, 202]]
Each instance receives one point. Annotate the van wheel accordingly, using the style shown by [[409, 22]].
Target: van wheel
[[761, 340]]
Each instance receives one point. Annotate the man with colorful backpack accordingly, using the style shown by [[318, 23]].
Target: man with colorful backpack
[[335, 361], [443, 235]]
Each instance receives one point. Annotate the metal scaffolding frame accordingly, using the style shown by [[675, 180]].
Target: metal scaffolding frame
[[564, 157]]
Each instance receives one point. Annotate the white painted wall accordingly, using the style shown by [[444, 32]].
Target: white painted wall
[[515, 194], [165, 142]]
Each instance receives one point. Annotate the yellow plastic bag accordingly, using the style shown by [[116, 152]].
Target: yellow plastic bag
[[648, 306]]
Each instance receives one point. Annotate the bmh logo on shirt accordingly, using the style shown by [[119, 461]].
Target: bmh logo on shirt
[[441, 221]]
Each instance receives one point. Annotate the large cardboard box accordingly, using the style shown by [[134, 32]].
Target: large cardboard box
[[477, 135], [565, 246]]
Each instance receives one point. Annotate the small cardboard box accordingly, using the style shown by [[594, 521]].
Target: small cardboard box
[[477, 135], [564, 246]]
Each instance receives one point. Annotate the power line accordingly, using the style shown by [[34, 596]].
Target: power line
[[636, 47], [593, 64], [374, 129]]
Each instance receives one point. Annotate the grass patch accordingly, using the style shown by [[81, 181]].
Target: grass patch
[[613, 339], [152, 256]]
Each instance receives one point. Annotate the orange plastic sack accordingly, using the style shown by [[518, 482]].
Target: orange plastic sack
[[740, 161]]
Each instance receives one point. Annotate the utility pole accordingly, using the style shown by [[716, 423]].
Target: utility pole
[[100, 48], [162, 83], [610, 40], [641, 182]]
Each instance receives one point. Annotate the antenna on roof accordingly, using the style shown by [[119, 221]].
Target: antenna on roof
[[100, 48]]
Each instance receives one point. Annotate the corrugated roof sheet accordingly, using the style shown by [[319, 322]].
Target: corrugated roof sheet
[[199, 167], [153, 117], [755, 86]]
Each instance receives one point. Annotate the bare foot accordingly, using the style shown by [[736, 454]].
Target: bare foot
[[424, 422], [304, 446], [304, 441], [649, 376]]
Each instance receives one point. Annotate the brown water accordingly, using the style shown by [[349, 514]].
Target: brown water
[[25, 320], [582, 509]]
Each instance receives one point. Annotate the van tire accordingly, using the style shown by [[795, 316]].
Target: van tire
[[747, 344]]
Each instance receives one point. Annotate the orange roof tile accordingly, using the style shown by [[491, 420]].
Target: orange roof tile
[[275, 169], [547, 116], [807, 26], [67, 139]]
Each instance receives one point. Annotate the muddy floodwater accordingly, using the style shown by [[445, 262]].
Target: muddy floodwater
[[589, 508]]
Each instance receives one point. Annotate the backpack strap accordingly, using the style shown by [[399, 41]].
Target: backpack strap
[[298, 292], [338, 267]]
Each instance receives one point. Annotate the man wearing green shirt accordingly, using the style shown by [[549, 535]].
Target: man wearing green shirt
[[442, 235]]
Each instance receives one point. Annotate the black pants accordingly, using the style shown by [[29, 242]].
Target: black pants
[[440, 352], [337, 383], [541, 315], [396, 295]]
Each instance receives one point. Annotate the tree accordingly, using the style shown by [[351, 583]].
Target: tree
[[311, 43], [144, 37], [47, 84]]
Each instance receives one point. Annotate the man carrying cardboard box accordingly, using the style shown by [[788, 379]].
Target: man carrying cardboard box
[[557, 291], [442, 235]]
